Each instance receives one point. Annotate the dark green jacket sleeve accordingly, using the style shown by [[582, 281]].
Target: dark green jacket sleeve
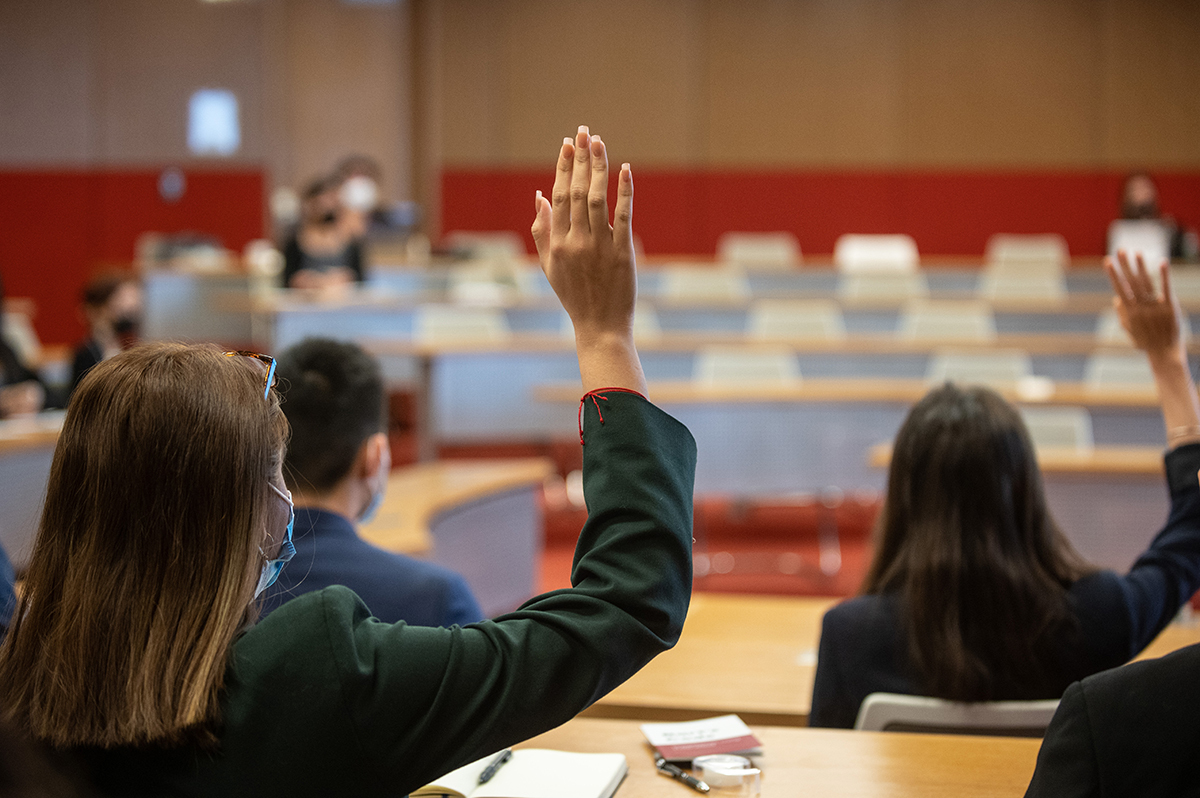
[[413, 703]]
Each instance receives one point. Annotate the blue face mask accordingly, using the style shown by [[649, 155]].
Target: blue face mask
[[271, 568]]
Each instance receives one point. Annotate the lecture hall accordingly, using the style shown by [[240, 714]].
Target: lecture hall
[[341, 374]]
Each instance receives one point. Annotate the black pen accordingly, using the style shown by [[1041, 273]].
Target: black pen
[[495, 765], [667, 769]]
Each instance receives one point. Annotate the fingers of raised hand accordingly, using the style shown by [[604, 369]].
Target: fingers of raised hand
[[581, 177], [1143, 285], [542, 215], [598, 190], [561, 195], [1116, 276], [623, 218]]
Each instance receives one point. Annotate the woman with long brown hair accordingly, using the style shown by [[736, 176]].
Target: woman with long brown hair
[[134, 647], [974, 594]]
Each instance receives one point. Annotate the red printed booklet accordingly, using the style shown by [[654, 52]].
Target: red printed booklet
[[683, 742]]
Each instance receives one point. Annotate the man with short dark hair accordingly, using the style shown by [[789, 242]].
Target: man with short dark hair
[[337, 469]]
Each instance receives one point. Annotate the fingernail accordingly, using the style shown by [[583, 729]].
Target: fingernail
[[583, 129], [566, 139], [595, 138], [539, 194], [625, 166]]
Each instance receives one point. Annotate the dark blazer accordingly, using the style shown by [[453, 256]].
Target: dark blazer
[[320, 699], [864, 648], [1129, 731], [394, 587]]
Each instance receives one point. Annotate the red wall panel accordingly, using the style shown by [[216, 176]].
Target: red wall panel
[[60, 226], [947, 212]]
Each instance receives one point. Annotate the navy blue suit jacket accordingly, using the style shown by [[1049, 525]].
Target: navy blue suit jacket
[[394, 587], [1127, 731], [864, 648]]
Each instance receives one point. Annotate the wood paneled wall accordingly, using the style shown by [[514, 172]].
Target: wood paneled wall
[[988, 84]]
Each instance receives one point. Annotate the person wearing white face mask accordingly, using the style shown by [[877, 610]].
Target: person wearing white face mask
[[337, 469]]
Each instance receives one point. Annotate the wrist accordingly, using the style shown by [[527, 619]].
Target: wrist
[[1171, 361]]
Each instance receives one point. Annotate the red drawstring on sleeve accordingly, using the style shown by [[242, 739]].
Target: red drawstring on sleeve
[[596, 396]]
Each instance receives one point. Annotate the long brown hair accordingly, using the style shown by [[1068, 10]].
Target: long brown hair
[[966, 543], [148, 551]]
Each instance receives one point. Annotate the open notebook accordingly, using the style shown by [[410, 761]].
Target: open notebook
[[535, 773]]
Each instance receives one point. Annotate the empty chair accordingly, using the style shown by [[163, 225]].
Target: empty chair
[[995, 367], [875, 253], [771, 318], [692, 284], [1006, 248], [1185, 282], [1025, 281], [1059, 427], [1147, 236], [1114, 371], [967, 321], [759, 250], [733, 366], [484, 282], [910, 713], [487, 243], [1109, 329], [882, 286], [441, 323]]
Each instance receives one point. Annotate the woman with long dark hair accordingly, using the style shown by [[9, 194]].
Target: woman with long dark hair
[[974, 593], [134, 647]]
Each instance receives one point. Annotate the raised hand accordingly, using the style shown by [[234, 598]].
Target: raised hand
[[1152, 321], [590, 263]]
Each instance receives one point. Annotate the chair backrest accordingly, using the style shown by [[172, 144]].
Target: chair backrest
[[1059, 427], [487, 243], [910, 713], [968, 321], [1108, 370], [878, 286], [1024, 281], [1147, 236], [1004, 248], [778, 318], [1110, 331], [1185, 282], [688, 283], [853, 253], [439, 323], [995, 367], [740, 366], [759, 250]]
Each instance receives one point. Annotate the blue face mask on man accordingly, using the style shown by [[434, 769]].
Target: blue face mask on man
[[272, 567]]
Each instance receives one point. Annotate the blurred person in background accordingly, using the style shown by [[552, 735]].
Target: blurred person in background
[[21, 391], [324, 253], [112, 306], [1139, 202]]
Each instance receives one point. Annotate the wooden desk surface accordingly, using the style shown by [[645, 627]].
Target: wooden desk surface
[[892, 391], [417, 494], [755, 656], [1123, 460], [19, 434], [822, 762]]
